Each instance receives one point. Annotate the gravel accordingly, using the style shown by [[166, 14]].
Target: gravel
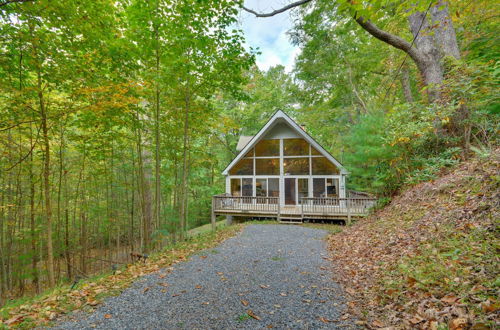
[[277, 271]]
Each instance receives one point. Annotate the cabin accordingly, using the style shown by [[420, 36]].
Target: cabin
[[283, 173]]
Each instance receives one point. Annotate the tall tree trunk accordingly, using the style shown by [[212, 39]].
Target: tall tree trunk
[[46, 181], [144, 166], [34, 257], [184, 188], [157, 122]]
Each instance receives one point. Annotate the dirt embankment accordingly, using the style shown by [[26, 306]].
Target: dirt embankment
[[430, 259]]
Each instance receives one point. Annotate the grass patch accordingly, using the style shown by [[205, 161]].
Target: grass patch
[[277, 258], [243, 317], [329, 227], [43, 309]]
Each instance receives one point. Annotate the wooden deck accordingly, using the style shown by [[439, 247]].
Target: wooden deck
[[308, 208]]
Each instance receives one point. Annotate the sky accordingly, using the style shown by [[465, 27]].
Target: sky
[[269, 34]]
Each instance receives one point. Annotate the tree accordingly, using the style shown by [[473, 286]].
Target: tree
[[433, 34]]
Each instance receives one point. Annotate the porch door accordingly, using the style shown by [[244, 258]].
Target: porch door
[[290, 192]]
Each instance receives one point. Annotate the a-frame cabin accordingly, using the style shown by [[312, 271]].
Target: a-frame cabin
[[283, 173]]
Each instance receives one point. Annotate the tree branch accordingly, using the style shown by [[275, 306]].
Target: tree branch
[[5, 3], [390, 39], [367, 25], [277, 11]]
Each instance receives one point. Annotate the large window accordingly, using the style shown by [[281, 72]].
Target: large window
[[267, 166], [296, 166], [267, 148], [322, 166], [243, 167], [295, 147]]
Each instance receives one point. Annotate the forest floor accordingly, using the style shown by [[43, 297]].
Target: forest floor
[[88, 293], [269, 276], [430, 259]]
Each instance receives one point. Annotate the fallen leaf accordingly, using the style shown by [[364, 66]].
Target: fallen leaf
[[107, 316], [283, 294], [203, 257], [198, 287], [377, 324], [350, 291], [324, 320], [416, 320], [145, 290], [251, 314], [458, 324], [14, 320], [264, 286], [244, 302], [450, 299]]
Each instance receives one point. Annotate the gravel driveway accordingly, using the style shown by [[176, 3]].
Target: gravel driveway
[[276, 271]]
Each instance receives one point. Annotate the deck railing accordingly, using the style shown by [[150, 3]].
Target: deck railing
[[307, 207], [332, 205], [246, 203]]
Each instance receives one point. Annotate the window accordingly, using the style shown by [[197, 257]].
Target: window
[[273, 187], [303, 188], [261, 187], [296, 166], [332, 187], [236, 187], [247, 187], [315, 152], [322, 166], [319, 187], [267, 166], [295, 147], [243, 167], [249, 154], [267, 148]]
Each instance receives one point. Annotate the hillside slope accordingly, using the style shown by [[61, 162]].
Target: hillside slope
[[430, 259]]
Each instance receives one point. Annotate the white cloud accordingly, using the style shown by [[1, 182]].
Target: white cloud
[[269, 34]]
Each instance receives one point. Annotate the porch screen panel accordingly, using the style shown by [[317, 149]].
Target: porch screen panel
[[322, 166], [295, 147], [303, 185], [236, 187], [332, 187], [319, 187], [273, 187], [296, 166], [267, 166], [247, 187], [267, 148], [243, 167], [261, 187]]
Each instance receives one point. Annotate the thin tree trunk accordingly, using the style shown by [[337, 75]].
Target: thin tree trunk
[[405, 84]]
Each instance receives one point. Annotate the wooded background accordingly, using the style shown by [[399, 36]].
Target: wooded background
[[117, 117]]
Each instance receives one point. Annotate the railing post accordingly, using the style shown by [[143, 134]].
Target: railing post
[[279, 209], [213, 217], [302, 208], [348, 211]]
